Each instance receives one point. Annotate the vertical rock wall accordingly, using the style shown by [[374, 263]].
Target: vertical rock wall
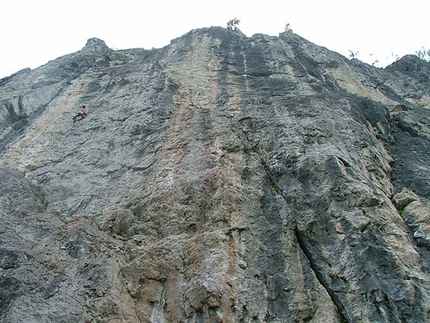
[[219, 179]]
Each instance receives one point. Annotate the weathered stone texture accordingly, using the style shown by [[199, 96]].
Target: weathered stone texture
[[219, 179]]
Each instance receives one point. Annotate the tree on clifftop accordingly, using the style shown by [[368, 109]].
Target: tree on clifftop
[[423, 54], [232, 24]]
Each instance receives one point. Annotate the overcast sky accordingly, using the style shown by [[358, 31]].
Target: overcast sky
[[36, 31]]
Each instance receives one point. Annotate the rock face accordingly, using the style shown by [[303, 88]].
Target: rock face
[[219, 179]]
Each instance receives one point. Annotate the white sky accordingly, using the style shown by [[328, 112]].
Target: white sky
[[36, 31]]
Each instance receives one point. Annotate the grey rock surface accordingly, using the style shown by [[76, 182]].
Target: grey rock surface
[[222, 178]]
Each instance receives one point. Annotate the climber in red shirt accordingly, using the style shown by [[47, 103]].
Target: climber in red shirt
[[82, 114]]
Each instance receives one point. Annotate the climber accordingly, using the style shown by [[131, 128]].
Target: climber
[[82, 114]]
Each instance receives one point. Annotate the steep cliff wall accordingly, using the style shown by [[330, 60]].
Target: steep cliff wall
[[219, 179]]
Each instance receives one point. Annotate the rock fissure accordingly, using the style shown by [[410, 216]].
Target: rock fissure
[[343, 315], [301, 242]]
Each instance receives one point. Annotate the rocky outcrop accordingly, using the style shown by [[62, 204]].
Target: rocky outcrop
[[219, 179]]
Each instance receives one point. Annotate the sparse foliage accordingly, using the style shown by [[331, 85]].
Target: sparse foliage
[[232, 24], [395, 57], [375, 61], [423, 54], [353, 54], [288, 27]]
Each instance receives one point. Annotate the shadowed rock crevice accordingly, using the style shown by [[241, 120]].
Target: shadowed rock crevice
[[343, 315]]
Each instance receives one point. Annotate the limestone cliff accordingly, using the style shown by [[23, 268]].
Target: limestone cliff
[[219, 179]]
